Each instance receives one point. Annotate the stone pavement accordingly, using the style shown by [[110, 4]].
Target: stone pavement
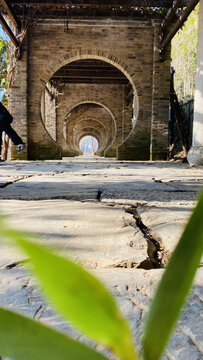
[[120, 219]]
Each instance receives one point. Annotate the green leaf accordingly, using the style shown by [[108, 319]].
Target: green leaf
[[174, 287], [24, 339], [78, 296]]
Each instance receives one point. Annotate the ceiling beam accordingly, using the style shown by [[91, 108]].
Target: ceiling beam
[[11, 14], [88, 80], [89, 76], [102, 3], [166, 40], [90, 72], [130, 94], [83, 66], [171, 14], [9, 32]]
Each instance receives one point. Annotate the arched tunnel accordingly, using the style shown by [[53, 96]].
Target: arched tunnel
[[90, 119], [88, 98]]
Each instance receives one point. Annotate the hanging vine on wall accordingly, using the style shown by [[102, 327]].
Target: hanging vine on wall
[[29, 19], [4, 58]]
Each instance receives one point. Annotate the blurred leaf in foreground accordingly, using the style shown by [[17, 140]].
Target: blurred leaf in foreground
[[78, 296], [24, 339], [174, 287]]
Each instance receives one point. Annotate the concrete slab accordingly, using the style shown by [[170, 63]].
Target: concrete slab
[[133, 290], [96, 234], [166, 222], [87, 208]]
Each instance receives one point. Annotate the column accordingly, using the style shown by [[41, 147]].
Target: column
[[195, 155], [160, 98]]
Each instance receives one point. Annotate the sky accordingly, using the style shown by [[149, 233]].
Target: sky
[[2, 33], [86, 145]]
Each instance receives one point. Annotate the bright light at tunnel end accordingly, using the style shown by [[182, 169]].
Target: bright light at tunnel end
[[88, 145]]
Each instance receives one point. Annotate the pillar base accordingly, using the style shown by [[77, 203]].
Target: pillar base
[[195, 155]]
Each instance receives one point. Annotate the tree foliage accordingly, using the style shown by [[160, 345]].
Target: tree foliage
[[184, 52], [4, 58]]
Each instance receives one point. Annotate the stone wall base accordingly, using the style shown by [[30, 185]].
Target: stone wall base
[[133, 153], [110, 153], [195, 155], [44, 152]]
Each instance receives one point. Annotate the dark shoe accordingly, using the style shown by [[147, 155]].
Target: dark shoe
[[2, 160], [21, 147]]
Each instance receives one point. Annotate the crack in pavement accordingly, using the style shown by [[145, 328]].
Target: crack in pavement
[[187, 333], [174, 189], [125, 264], [37, 311], [2, 186], [157, 254], [99, 195], [130, 264], [16, 264], [155, 249]]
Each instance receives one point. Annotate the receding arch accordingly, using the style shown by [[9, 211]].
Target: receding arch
[[86, 129], [95, 124], [89, 132], [88, 101], [102, 105], [105, 57], [115, 62]]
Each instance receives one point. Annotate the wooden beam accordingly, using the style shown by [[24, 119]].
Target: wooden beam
[[90, 73], [102, 3], [88, 80], [171, 14], [94, 66], [90, 76], [8, 31], [10, 13], [130, 94], [179, 23]]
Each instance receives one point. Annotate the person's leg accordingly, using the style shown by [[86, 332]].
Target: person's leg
[[12, 134]]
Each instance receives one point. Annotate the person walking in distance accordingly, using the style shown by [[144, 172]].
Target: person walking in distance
[[5, 125]]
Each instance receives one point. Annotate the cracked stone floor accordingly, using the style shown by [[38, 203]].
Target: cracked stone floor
[[119, 219]]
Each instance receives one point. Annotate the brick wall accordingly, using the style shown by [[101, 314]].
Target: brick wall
[[18, 100], [109, 98], [50, 114], [127, 44]]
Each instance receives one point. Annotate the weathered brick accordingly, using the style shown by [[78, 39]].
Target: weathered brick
[[140, 125]]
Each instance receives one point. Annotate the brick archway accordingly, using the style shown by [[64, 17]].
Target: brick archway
[[131, 49], [65, 111], [104, 141], [105, 57], [75, 56]]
